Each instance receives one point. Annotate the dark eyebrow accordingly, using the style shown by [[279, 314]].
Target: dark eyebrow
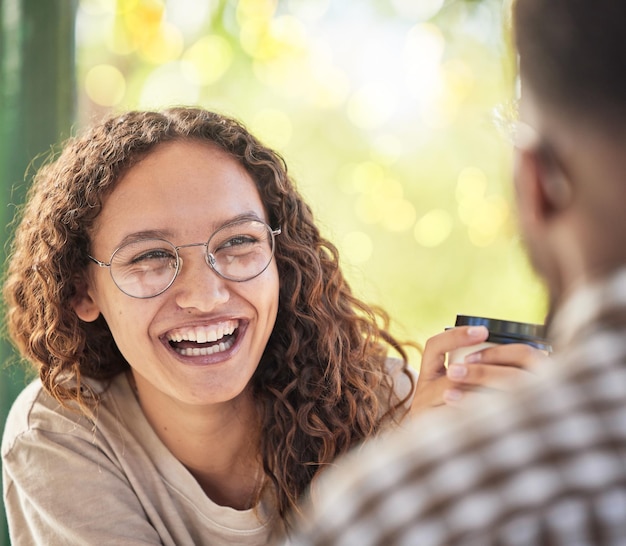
[[241, 217], [147, 234], [168, 235]]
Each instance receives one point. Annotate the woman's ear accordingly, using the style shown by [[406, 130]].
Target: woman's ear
[[83, 304]]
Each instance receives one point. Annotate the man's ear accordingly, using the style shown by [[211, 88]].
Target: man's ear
[[543, 189], [83, 304], [527, 186], [555, 183]]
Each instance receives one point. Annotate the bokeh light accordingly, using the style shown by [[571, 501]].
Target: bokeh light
[[207, 60], [105, 85], [433, 228], [484, 215]]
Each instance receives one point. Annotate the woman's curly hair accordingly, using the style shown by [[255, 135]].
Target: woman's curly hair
[[322, 383]]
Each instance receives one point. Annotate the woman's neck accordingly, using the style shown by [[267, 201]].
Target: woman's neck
[[218, 444]]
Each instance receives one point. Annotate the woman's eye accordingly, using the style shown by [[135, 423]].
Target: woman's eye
[[154, 254], [238, 240]]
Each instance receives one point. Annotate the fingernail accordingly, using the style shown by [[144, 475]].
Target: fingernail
[[476, 331], [457, 371], [452, 395], [473, 357]]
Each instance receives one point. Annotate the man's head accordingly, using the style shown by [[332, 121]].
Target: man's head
[[570, 167]]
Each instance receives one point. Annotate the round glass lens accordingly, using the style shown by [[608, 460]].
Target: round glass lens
[[242, 250], [145, 268]]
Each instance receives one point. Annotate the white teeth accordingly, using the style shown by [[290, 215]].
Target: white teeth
[[204, 334], [205, 351], [201, 335]]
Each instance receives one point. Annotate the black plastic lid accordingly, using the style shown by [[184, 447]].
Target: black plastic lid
[[506, 331]]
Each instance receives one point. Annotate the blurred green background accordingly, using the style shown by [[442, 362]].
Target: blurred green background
[[381, 108]]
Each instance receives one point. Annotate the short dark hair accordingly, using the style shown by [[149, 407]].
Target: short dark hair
[[573, 55]]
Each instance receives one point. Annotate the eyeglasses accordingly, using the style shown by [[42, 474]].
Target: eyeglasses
[[522, 136], [505, 118], [238, 252]]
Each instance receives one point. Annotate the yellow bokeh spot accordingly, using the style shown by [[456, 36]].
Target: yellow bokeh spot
[[472, 181], [126, 6], [398, 215], [483, 215], [142, 18], [105, 85], [164, 46], [366, 176], [357, 247], [381, 201], [470, 192], [207, 60], [433, 228], [273, 127], [255, 9], [487, 220], [266, 40]]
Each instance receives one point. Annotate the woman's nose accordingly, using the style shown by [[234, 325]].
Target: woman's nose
[[197, 284]]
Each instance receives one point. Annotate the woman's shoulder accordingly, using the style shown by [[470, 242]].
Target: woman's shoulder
[[37, 411]]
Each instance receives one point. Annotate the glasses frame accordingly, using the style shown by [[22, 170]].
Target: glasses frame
[[209, 258], [505, 118]]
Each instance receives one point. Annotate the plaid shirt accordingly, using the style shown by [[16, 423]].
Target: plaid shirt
[[545, 466]]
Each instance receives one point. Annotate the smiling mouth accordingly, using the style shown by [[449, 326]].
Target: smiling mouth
[[204, 340]]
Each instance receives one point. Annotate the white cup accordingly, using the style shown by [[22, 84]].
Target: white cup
[[500, 331]]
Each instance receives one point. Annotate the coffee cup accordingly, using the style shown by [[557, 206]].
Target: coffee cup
[[500, 332]]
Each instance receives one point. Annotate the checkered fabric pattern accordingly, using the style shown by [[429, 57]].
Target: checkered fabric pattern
[[545, 466]]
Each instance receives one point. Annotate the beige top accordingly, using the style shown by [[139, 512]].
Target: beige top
[[112, 481], [109, 483]]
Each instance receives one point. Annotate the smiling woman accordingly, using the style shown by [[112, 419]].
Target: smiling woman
[[201, 357]]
